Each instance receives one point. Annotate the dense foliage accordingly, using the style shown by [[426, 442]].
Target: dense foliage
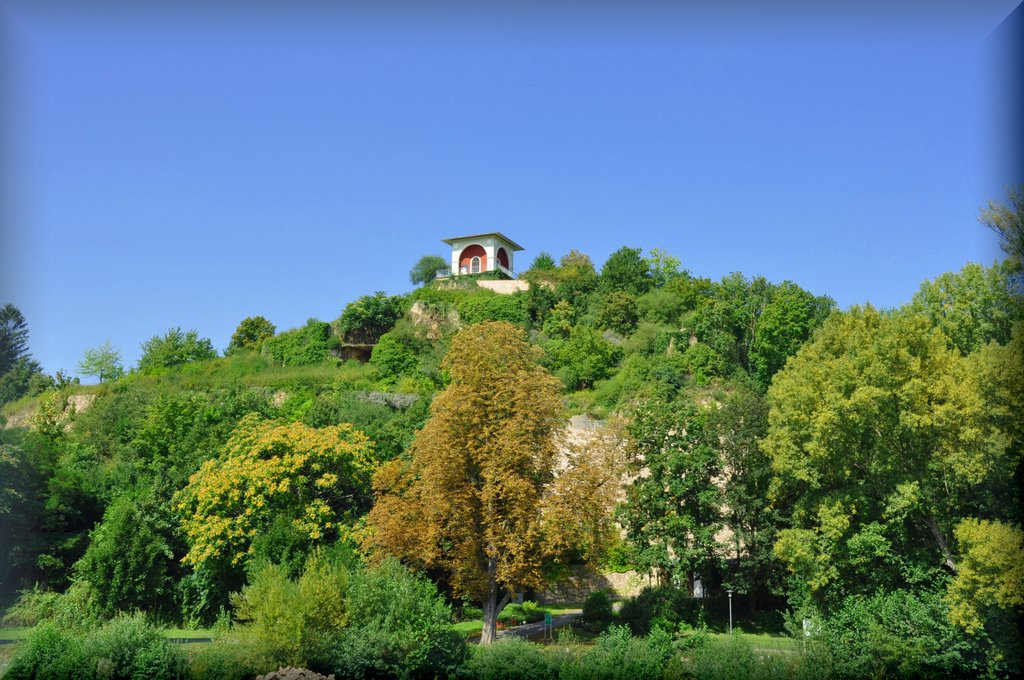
[[852, 476]]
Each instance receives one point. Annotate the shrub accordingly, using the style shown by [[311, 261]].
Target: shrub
[[513, 659], [659, 606], [129, 557], [231, 656], [597, 611], [366, 319], [516, 614], [489, 306], [620, 656], [734, 659], [401, 627], [175, 348], [130, 648], [294, 622], [899, 634], [50, 653], [300, 346]]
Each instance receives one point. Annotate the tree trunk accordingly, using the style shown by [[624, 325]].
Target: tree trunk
[[492, 605], [937, 533]]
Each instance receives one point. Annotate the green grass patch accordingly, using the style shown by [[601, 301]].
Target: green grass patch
[[187, 634], [469, 628], [14, 633], [761, 642]]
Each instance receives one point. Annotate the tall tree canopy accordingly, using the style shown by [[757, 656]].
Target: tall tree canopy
[[16, 364], [882, 442], [469, 499], [1007, 220]]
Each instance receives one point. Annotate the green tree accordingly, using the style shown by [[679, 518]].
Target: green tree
[[175, 348], [626, 271], [785, 323], [663, 266], [426, 268], [129, 562], [250, 334], [16, 364], [1008, 222], [618, 312], [364, 320], [881, 442], [317, 478], [543, 262], [469, 501], [583, 359], [576, 276], [974, 306], [987, 594], [104, 362], [737, 425], [400, 627], [673, 507]]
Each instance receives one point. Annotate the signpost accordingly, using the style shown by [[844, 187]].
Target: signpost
[[548, 626]]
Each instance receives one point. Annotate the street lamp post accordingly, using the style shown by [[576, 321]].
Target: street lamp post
[[730, 610]]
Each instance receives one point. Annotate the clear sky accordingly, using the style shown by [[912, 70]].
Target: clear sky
[[170, 167]]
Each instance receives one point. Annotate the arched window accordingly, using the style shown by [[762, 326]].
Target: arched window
[[474, 265]]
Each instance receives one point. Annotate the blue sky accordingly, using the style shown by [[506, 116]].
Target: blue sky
[[190, 167]]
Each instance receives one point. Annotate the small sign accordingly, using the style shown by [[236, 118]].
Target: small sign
[[547, 618]]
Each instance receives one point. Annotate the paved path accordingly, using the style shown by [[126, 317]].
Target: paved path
[[536, 629]]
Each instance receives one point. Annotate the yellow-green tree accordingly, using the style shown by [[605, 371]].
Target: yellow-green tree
[[881, 439], [478, 496], [316, 477]]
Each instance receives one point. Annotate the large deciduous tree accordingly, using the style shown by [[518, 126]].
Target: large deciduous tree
[[474, 497], [1008, 222], [882, 441], [314, 478], [673, 507]]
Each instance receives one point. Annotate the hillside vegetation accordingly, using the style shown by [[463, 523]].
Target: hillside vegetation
[[858, 469]]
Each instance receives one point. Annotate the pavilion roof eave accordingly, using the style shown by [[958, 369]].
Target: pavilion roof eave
[[506, 239]]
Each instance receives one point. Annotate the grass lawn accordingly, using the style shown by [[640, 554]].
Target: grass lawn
[[763, 642], [186, 634], [14, 633]]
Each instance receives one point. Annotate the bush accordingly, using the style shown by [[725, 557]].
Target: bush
[[659, 607], [620, 656], [300, 346], [734, 659], [130, 648], [231, 656], [294, 622], [516, 614], [597, 611], [486, 305], [366, 319], [175, 348], [513, 659], [400, 627], [899, 634], [50, 653], [127, 648]]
